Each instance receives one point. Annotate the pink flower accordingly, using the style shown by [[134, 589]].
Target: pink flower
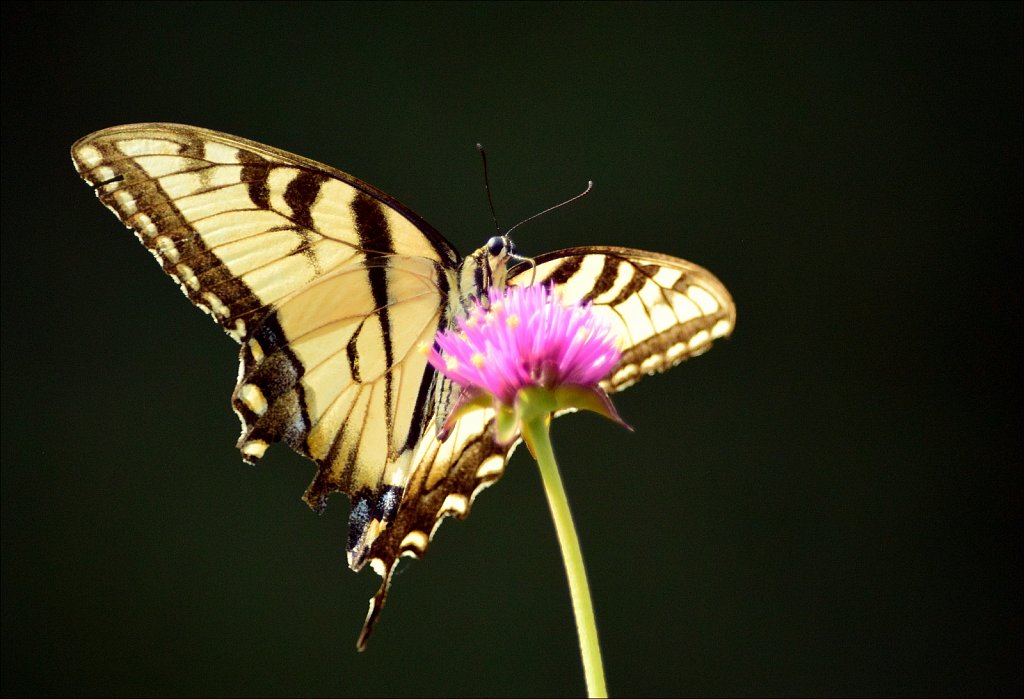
[[523, 339]]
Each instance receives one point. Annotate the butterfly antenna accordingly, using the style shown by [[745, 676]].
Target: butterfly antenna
[[487, 187], [585, 192]]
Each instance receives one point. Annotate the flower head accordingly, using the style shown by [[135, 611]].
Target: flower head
[[524, 343]]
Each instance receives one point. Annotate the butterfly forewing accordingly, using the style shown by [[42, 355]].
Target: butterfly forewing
[[662, 309], [241, 225]]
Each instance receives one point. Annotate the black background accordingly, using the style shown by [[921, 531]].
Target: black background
[[827, 503]]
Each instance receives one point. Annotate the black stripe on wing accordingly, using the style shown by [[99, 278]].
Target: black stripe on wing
[[375, 239]]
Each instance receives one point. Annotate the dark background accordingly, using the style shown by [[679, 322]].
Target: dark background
[[828, 503]]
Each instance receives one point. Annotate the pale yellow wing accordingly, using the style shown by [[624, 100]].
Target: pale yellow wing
[[328, 284], [662, 308], [241, 225]]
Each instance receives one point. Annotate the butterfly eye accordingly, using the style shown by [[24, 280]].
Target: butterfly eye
[[497, 245]]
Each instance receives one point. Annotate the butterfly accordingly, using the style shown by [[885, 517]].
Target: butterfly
[[330, 286]]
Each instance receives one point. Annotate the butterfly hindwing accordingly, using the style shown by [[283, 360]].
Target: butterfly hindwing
[[352, 367], [448, 477]]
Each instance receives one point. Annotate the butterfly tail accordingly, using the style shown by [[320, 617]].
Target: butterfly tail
[[376, 603]]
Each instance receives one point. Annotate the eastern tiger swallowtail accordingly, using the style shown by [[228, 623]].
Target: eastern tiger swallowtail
[[329, 285]]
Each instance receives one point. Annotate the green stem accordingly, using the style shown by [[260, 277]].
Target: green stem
[[536, 434]]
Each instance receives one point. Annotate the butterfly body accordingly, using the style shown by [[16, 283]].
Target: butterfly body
[[331, 288]]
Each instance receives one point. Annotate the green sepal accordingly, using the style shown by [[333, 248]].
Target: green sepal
[[592, 398], [533, 409], [506, 424], [534, 402]]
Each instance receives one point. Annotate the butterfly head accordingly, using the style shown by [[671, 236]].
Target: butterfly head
[[501, 245], [486, 268]]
